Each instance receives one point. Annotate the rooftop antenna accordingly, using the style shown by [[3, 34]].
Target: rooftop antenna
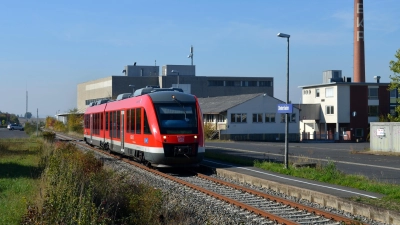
[[155, 62], [191, 53]]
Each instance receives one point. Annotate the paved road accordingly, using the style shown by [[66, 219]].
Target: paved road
[[5, 133], [347, 156]]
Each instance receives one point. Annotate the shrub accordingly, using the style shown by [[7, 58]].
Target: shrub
[[208, 130], [78, 190], [49, 136]]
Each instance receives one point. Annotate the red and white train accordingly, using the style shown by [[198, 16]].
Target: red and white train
[[159, 126]]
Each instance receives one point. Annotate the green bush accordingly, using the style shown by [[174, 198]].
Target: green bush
[[208, 130], [78, 190], [49, 136]]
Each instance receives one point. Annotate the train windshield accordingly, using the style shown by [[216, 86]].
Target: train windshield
[[177, 118]]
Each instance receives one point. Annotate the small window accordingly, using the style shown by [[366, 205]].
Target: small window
[[393, 93], [257, 118], [215, 83], [373, 110], [238, 118], [330, 110], [359, 132], [329, 92], [372, 92], [146, 127], [265, 84], [292, 117], [229, 83], [317, 93], [270, 117]]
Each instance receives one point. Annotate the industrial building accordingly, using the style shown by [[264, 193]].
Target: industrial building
[[182, 76]]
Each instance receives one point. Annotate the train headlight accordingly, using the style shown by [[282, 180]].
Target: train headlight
[[195, 136], [164, 137]]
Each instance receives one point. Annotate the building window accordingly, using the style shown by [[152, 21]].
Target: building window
[[317, 93], [257, 117], [359, 132], [328, 92], [208, 118], [372, 92], [229, 83], [239, 118], [292, 117], [221, 118], [393, 93], [270, 117], [265, 84], [330, 110], [373, 110], [215, 83], [249, 83]]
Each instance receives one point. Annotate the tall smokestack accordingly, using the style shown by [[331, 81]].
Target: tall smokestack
[[359, 54]]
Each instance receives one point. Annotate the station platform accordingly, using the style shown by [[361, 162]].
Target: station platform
[[327, 195]]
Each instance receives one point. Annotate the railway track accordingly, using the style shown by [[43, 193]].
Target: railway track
[[274, 209]]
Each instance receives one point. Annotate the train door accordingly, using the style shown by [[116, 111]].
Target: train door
[[122, 121], [91, 128]]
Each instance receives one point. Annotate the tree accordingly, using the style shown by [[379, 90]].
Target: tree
[[28, 115], [395, 84]]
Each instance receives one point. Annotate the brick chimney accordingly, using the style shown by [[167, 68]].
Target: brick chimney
[[359, 54]]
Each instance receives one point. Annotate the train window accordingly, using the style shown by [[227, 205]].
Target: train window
[[106, 120], [131, 121], [112, 125], [101, 121], [138, 120], [118, 124], [128, 121], [177, 118], [94, 123], [146, 127]]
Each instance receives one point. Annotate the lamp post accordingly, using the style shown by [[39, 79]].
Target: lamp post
[[176, 71], [287, 36], [133, 88]]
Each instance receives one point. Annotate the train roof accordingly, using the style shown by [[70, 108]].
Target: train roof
[[151, 89], [157, 95]]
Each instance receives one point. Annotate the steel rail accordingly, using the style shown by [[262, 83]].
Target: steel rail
[[296, 205]]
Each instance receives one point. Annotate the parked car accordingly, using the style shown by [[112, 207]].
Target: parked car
[[15, 126]]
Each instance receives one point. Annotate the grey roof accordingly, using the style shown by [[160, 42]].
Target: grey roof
[[215, 105]]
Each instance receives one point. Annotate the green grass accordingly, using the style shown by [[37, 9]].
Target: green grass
[[327, 173], [18, 178]]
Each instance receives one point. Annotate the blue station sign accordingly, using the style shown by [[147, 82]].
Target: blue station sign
[[285, 108]]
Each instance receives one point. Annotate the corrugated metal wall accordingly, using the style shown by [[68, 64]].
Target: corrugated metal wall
[[385, 136]]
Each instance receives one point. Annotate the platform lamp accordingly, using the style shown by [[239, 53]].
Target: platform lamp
[[133, 88], [176, 71], [287, 36]]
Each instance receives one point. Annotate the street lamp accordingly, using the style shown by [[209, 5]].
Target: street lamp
[[176, 71], [282, 35], [133, 88]]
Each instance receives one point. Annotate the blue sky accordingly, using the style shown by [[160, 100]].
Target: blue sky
[[49, 47]]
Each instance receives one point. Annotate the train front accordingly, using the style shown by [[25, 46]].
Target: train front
[[181, 129]]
